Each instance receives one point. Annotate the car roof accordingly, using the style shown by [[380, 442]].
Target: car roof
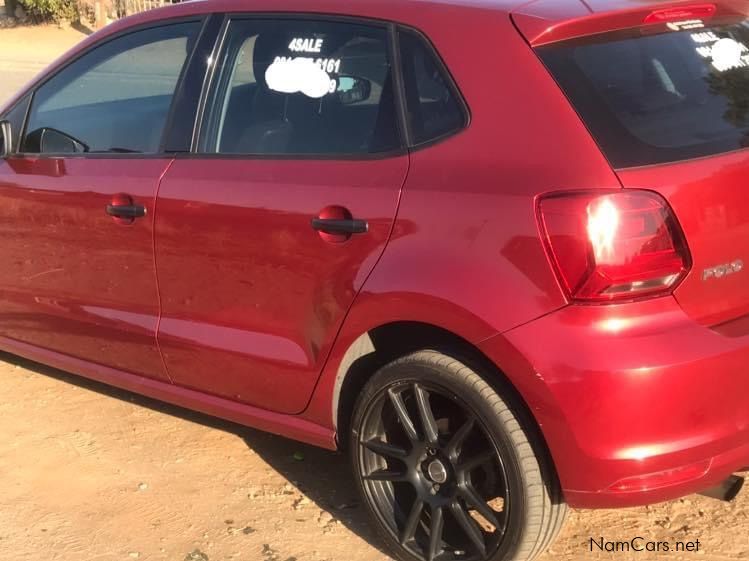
[[395, 10], [416, 13], [544, 12], [356, 7]]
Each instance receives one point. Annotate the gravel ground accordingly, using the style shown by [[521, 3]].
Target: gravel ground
[[92, 473]]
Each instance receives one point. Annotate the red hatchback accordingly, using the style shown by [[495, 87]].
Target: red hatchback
[[496, 249]]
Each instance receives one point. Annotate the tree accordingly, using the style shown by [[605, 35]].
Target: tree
[[10, 8]]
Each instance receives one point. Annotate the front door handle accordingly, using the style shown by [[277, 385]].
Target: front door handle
[[126, 211], [340, 225]]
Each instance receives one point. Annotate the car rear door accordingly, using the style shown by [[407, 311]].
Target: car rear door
[[267, 232], [665, 92], [77, 202]]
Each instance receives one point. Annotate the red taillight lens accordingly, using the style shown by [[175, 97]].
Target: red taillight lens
[[696, 11], [614, 246]]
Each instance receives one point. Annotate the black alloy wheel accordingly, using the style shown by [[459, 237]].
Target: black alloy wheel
[[441, 482]]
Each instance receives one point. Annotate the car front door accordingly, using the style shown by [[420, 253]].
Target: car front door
[[265, 234], [77, 203]]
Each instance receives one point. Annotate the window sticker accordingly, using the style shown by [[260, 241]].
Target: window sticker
[[300, 45], [724, 54], [310, 76], [292, 75]]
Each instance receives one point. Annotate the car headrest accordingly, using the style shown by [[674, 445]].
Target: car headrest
[[268, 46]]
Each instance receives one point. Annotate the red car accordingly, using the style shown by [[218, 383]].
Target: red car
[[496, 250]]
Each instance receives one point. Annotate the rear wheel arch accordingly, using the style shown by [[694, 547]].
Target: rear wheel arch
[[388, 342]]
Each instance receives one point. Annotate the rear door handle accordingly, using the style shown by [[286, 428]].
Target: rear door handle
[[126, 211], [340, 225]]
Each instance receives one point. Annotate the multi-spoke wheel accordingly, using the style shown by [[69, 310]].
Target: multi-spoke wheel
[[445, 467]]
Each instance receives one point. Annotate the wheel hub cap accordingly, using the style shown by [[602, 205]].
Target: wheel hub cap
[[437, 472]]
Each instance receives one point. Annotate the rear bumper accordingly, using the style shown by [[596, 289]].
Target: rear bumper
[[637, 402]]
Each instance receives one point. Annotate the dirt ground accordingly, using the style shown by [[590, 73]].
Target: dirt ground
[[25, 51], [89, 473]]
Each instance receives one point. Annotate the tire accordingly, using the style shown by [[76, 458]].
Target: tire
[[431, 441]]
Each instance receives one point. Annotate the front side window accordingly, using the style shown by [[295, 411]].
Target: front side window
[[114, 99], [295, 87]]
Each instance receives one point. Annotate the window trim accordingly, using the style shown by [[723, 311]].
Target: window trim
[[394, 56], [205, 43], [24, 102], [450, 82], [160, 154], [399, 85]]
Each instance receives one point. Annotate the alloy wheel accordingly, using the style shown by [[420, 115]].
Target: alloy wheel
[[432, 474]]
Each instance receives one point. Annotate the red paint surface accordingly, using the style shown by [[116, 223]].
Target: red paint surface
[[252, 297], [74, 280]]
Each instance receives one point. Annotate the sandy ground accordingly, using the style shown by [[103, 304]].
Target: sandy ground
[[25, 51], [91, 473]]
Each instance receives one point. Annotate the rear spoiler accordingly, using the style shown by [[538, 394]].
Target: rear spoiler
[[549, 21]]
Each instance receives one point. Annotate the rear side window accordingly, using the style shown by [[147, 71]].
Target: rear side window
[[659, 96], [115, 98], [302, 86], [434, 109]]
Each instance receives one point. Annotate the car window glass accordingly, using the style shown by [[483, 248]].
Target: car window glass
[[672, 94], [291, 87], [434, 109], [116, 98]]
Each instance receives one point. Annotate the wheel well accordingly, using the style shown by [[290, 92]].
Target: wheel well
[[388, 342]]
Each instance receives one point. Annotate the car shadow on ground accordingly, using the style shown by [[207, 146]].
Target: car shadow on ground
[[323, 476]]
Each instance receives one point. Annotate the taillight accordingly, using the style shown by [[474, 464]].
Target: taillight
[[683, 13], [613, 246]]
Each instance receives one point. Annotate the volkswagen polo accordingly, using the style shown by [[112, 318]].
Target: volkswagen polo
[[494, 249]]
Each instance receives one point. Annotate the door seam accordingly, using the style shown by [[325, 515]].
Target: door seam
[[156, 268], [361, 288]]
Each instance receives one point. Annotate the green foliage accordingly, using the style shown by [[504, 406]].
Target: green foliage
[[55, 10]]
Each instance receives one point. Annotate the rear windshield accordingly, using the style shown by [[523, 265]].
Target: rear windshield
[[653, 96]]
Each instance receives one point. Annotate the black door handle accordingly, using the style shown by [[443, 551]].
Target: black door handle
[[340, 225], [126, 211]]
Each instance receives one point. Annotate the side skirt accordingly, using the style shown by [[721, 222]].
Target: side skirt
[[289, 426]]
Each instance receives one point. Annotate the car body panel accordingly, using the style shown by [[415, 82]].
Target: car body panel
[[465, 254], [634, 389], [251, 309], [290, 426], [74, 280], [708, 196]]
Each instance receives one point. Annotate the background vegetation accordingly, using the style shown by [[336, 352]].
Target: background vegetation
[[42, 10]]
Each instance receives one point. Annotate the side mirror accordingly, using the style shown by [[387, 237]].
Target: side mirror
[[52, 141], [6, 140], [58, 142], [353, 89]]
